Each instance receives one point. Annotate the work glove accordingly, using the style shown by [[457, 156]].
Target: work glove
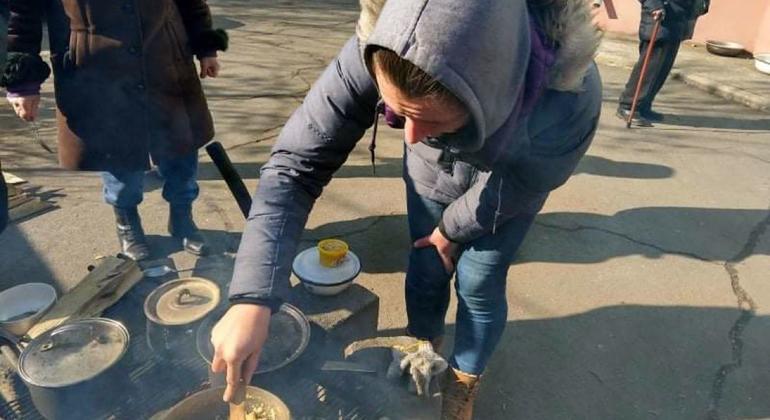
[[422, 363]]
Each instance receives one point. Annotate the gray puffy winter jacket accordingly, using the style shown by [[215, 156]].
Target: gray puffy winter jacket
[[480, 51]]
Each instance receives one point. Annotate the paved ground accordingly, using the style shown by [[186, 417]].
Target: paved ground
[[733, 78], [640, 293]]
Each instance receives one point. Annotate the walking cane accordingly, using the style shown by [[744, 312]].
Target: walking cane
[[646, 61]]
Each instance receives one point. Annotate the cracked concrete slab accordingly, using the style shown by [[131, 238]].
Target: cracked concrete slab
[[621, 305]]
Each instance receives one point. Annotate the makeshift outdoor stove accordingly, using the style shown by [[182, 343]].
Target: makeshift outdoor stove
[[159, 358], [149, 370]]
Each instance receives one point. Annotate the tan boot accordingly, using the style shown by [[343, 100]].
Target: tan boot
[[458, 395]]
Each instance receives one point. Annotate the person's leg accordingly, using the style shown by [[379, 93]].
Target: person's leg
[[3, 198], [482, 312], [427, 283], [180, 189], [655, 66], [123, 191], [652, 75], [482, 308], [667, 52], [627, 96]]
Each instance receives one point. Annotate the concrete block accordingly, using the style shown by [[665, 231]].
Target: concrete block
[[344, 318]]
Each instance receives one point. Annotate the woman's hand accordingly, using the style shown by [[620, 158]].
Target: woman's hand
[[238, 339], [209, 67], [26, 107], [447, 250]]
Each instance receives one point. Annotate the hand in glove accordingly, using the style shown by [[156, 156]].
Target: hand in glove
[[422, 362]]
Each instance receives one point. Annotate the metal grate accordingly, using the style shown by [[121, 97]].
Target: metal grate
[[158, 383]]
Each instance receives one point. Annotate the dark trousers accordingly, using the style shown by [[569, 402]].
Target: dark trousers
[[661, 61], [3, 202]]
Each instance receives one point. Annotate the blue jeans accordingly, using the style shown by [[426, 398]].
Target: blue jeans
[[480, 280], [126, 189]]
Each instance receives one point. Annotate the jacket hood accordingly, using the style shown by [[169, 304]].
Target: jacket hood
[[480, 50], [458, 43]]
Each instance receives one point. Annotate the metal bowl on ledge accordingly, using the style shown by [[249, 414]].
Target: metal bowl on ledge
[[724, 48], [23, 305]]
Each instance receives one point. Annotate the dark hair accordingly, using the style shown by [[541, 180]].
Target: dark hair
[[408, 78]]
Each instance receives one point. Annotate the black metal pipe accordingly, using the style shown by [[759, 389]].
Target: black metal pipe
[[234, 181]]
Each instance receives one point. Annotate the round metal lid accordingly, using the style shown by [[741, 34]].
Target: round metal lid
[[73, 352], [181, 301], [308, 268], [288, 337]]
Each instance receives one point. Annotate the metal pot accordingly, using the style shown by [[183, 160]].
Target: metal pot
[[77, 370], [208, 404], [173, 312], [288, 336]]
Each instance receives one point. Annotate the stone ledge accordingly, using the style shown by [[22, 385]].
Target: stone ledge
[[352, 315], [742, 96]]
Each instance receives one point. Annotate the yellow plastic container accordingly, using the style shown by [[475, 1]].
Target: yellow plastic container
[[332, 252]]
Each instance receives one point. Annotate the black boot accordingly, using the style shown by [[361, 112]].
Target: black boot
[[638, 119], [130, 234], [182, 226], [651, 115]]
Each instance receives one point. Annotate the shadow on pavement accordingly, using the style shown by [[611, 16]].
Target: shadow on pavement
[[392, 168], [22, 262], [223, 22], [629, 362], [207, 171], [705, 121], [597, 165], [162, 246], [219, 242], [583, 238], [387, 256]]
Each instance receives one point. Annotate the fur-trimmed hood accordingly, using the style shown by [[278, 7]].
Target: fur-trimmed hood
[[458, 43], [568, 25], [482, 57]]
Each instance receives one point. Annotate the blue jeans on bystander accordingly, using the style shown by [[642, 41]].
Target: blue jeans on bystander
[[126, 189]]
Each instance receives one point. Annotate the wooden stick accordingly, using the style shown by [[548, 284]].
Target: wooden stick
[[238, 402], [99, 290]]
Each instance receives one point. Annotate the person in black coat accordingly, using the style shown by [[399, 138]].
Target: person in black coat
[[678, 21], [126, 89]]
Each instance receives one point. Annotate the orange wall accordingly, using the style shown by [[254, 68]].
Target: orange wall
[[762, 42], [743, 21]]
